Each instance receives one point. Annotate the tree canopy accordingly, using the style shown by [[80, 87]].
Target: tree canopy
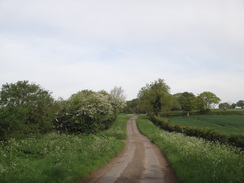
[[240, 103], [155, 97], [224, 106], [207, 100], [25, 108], [187, 101]]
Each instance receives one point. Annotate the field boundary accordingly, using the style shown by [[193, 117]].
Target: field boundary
[[210, 112], [236, 140]]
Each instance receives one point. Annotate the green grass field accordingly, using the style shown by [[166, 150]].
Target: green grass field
[[223, 123]]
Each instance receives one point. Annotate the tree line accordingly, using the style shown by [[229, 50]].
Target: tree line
[[26, 108], [226, 105], [155, 98]]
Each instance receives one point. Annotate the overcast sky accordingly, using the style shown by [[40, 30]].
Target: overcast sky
[[70, 45]]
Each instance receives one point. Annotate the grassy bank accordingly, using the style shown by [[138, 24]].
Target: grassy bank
[[55, 158], [194, 159]]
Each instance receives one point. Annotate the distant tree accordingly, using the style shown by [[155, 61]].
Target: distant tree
[[133, 107], [188, 102], [175, 102], [240, 103], [207, 100], [117, 99], [155, 97], [233, 106], [224, 106], [118, 92], [25, 108]]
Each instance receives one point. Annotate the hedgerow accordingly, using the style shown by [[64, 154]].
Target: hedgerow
[[195, 159], [208, 134]]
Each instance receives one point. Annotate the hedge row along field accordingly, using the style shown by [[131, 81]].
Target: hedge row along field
[[208, 134], [57, 158], [196, 160]]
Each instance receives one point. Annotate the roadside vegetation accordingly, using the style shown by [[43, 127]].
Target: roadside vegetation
[[60, 158], [194, 159], [27, 109], [48, 140]]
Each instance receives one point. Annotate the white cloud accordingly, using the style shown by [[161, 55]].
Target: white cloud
[[68, 46]]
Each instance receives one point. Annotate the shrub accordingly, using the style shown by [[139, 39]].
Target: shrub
[[85, 112], [25, 109]]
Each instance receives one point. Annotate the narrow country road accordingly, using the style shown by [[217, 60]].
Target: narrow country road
[[140, 162]]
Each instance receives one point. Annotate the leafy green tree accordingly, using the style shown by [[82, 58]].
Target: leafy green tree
[[240, 103], [155, 97], [133, 107], [175, 102], [25, 108], [188, 102], [206, 101], [233, 106], [224, 106]]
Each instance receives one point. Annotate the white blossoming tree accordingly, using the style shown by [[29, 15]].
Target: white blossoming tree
[[85, 112], [117, 99]]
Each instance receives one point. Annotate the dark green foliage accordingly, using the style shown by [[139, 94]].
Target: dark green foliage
[[224, 106], [240, 103], [25, 108], [155, 97], [133, 107], [187, 101]]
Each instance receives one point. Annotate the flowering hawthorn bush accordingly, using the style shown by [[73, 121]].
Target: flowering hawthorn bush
[[87, 112]]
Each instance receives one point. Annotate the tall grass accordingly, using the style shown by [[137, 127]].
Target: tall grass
[[194, 159], [55, 158]]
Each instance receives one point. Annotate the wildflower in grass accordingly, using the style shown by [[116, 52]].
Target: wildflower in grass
[[197, 160]]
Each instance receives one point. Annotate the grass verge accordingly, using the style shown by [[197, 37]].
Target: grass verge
[[196, 160], [60, 158]]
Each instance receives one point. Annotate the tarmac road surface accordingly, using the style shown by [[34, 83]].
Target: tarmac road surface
[[140, 162]]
